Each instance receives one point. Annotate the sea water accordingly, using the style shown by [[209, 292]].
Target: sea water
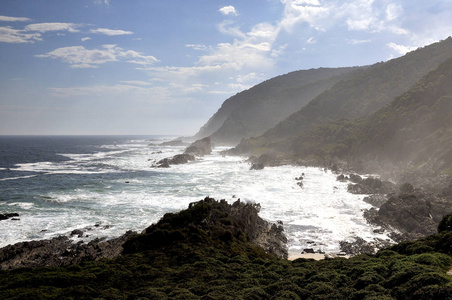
[[107, 185]]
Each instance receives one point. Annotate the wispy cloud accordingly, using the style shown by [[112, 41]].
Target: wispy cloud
[[228, 10], [45, 27], [84, 39], [11, 35], [14, 19], [110, 32], [80, 57]]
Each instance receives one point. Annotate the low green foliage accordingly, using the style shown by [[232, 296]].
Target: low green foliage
[[205, 267]]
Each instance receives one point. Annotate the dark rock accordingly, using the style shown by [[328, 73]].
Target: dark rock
[[164, 163], [415, 215], [177, 159], [257, 166], [376, 200], [8, 215], [77, 232], [355, 178], [406, 188], [59, 251], [174, 143], [342, 178], [360, 246], [200, 147], [371, 185]]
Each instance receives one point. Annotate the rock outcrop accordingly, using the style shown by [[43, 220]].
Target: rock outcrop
[[198, 148], [370, 185], [8, 216], [414, 214], [224, 224], [59, 251], [216, 220]]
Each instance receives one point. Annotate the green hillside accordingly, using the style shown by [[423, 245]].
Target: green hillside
[[254, 111], [412, 134], [356, 97]]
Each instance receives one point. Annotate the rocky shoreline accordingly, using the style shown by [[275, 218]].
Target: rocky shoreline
[[62, 251]]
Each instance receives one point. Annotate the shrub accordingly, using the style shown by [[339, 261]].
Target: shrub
[[445, 224]]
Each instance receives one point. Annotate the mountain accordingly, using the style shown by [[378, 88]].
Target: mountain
[[412, 133], [356, 97], [252, 112]]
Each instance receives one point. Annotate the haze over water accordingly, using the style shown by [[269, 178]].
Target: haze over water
[[58, 184]]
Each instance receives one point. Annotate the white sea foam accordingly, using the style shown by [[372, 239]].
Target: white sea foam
[[321, 212]]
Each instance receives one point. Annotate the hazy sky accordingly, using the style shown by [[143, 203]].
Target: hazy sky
[[165, 66]]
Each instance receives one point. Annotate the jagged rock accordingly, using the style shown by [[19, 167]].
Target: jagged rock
[[406, 188], [342, 178], [257, 166], [8, 215], [200, 147], [77, 232], [220, 221], [376, 200], [414, 215], [355, 178], [370, 185], [59, 251], [177, 159], [174, 143]]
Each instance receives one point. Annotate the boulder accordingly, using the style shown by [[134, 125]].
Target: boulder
[[200, 147], [414, 215], [257, 166], [8, 215]]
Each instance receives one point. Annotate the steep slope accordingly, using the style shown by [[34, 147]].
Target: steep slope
[[253, 111], [413, 132], [363, 94]]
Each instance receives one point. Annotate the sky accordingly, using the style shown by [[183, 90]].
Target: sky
[[78, 67]]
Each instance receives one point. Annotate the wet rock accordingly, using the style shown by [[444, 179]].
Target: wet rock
[[8, 215], [376, 200], [371, 185], [59, 251], [77, 232], [200, 147], [174, 143], [257, 166], [355, 178], [342, 178], [414, 215], [175, 160]]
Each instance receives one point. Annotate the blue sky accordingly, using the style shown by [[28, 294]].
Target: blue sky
[[164, 67]]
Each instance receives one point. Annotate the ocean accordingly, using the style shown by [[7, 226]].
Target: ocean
[[107, 185]]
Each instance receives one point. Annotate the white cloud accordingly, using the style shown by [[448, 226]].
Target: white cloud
[[226, 28], [45, 27], [311, 40], [199, 47], [11, 35], [393, 11], [85, 39], [13, 19], [110, 32], [80, 57], [228, 10], [400, 48], [357, 42]]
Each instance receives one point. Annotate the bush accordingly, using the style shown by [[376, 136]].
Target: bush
[[445, 224]]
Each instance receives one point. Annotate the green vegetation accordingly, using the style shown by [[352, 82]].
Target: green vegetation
[[253, 111], [357, 97], [204, 253]]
